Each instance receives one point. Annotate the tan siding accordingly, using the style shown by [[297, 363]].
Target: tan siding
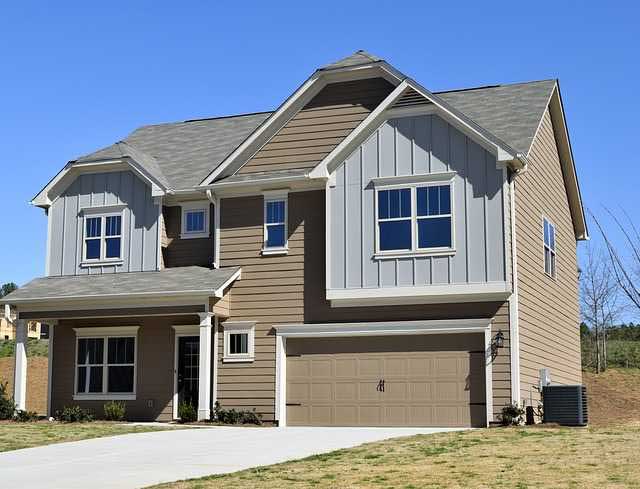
[[548, 308], [178, 252], [155, 358], [320, 126], [291, 288]]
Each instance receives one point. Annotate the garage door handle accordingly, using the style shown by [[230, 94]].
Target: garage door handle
[[294, 404]]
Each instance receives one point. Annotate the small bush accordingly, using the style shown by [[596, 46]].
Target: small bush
[[7, 406], [74, 414], [512, 415], [23, 416], [114, 411], [187, 413], [231, 416]]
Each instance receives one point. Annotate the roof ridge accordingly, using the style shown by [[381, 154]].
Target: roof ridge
[[484, 87]]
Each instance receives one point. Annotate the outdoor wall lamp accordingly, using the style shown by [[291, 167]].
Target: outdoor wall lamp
[[497, 343]]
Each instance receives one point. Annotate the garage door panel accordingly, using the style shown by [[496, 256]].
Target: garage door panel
[[336, 382]]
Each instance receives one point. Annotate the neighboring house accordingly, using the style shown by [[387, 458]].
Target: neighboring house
[[371, 253], [8, 329]]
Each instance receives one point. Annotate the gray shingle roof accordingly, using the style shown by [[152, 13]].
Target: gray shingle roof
[[360, 57], [180, 155], [185, 152], [177, 280], [510, 112]]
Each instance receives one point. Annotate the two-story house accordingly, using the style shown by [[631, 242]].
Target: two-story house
[[370, 253]]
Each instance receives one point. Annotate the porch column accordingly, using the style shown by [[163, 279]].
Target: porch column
[[52, 324], [20, 372], [204, 383]]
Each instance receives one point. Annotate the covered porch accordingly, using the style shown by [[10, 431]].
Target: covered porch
[[148, 339]]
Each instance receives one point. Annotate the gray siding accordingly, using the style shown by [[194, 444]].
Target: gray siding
[[139, 226], [411, 146]]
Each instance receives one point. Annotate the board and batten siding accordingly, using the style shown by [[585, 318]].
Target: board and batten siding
[[548, 308], [418, 145], [139, 225]]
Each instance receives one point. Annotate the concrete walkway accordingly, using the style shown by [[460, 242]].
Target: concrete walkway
[[142, 459]]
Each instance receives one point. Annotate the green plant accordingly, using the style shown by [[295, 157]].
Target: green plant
[[187, 413], [114, 410], [512, 415], [74, 414], [7, 406], [231, 416], [23, 416]]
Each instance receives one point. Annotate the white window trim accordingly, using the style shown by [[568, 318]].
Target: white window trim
[[102, 212], [275, 196], [104, 333], [553, 251], [444, 178], [201, 205], [234, 327]]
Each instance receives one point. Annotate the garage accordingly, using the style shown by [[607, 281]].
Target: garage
[[403, 380]]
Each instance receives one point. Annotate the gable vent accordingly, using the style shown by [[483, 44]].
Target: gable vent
[[410, 98]]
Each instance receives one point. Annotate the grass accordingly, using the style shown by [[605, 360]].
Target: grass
[[531, 457], [25, 435]]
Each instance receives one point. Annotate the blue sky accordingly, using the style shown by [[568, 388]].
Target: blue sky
[[76, 76]]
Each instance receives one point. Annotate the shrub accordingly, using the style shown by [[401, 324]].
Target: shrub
[[7, 406], [114, 410], [74, 414], [511, 415], [23, 416], [187, 413], [231, 416]]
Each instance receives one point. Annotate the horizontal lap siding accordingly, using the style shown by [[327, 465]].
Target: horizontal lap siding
[[154, 367], [291, 289], [178, 252], [548, 308], [320, 126]]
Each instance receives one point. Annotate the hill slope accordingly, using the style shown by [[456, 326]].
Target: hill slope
[[614, 396]]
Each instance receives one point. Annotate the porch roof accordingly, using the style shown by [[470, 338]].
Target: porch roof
[[179, 281]]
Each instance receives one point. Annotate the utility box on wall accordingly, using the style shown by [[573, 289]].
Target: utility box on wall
[[565, 405]]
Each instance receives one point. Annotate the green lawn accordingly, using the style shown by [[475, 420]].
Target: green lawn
[[528, 457], [24, 435], [35, 348]]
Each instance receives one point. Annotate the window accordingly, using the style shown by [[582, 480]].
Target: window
[[103, 237], [275, 224], [238, 341], [549, 233], [106, 364], [415, 219], [195, 220]]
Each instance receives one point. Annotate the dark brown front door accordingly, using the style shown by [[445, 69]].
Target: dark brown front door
[[188, 369]]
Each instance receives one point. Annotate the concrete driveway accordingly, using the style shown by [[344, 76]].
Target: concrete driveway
[[142, 459]]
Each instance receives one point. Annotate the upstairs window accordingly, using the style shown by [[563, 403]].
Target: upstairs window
[[549, 246], [415, 219], [195, 220], [103, 237], [275, 225]]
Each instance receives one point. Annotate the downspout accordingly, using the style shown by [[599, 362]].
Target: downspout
[[216, 227], [514, 330]]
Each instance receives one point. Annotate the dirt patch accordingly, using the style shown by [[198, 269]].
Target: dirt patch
[[614, 396], [37, 372]]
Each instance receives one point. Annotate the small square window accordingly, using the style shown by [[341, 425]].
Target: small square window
[[195, 220], [238, 341], [103, 237]]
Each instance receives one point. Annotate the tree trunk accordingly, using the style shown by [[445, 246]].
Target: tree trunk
[[597, 349]]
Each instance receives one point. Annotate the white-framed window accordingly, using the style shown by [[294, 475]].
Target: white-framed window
[[239, 339], [415, 218], [105, 366], [102, 235], [275, 223], [549, 247], [195, 220]]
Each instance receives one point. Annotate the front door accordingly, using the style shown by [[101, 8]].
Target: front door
[[188, 369]]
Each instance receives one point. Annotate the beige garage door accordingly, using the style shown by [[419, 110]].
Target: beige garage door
[[427, 380]]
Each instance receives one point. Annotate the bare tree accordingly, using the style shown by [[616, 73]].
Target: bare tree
[[600, 302]]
